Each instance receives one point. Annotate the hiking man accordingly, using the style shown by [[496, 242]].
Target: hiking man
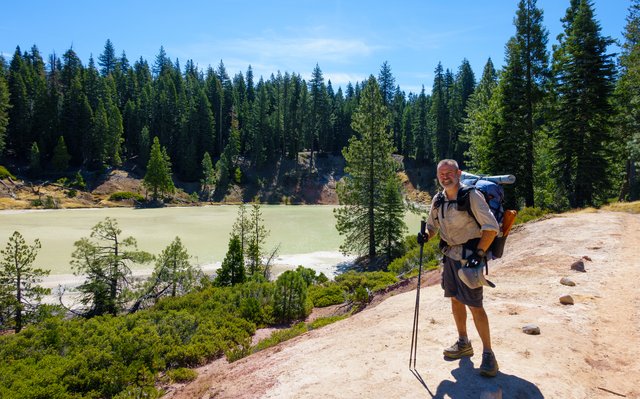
[[464, 243]]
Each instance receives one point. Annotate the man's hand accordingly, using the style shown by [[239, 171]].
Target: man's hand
[[475, 260], [422, 238]]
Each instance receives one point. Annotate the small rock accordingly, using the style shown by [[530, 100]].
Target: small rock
[[567, 281], [586, 258], [531, 329], [578, 266], [494, 394], [566, 300]]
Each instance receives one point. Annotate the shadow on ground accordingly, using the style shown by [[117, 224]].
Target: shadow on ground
[[468, 383]]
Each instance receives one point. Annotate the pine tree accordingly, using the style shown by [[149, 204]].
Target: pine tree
[[369, 167], [4, 111], [232, 270], [480, 122], [290, 297], [19, 293], [532, 74], [257, 235], [583, 85], [209, 180], [107, 60], [158, 176], [34, 160], [60, 160], [242, 228], [461, 92], [387, 82], [439, 115], [104, 258], [628, 105], [391, 226]]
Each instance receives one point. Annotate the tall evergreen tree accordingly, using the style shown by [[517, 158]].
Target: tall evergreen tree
[[391, 224], [369, 167], [531, 50], [242, 228], [480, 122], [463, 88], [232, 270], [583, 85], [19, 279], [4, 112], [257, 235], [158, 177], [61, 157], [208, 181], [628, 105], [108, 60], [439, 115], [387, 82]]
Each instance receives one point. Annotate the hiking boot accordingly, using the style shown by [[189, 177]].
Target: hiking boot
[[458, 350], [489, 366]]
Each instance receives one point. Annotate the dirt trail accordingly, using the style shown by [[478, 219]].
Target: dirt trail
[[585, 350]]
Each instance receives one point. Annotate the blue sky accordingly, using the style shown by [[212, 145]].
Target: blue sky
[[349, 40]]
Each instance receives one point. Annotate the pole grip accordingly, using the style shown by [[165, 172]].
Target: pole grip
[[423, 226]]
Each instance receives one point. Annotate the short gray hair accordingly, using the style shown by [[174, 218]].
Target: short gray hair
[[450, 162]]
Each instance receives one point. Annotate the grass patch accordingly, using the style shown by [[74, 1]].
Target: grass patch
[[4, 173], [325, 321], [182, 374], [125, 195], [628, 207], [528, 214], [280, 336]]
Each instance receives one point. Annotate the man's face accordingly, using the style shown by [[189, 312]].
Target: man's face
[[448, 176]]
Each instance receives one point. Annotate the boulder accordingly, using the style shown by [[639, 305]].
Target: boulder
[[566, 300], [531, 329], [578, 266], [567, 281]]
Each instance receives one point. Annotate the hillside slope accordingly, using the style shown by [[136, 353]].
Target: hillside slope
[[585, 350]]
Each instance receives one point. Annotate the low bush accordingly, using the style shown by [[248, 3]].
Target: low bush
[[4, 173], [280, 336], [125, 195], [528, 214], [182, 374], [325, 321], [327, 295]]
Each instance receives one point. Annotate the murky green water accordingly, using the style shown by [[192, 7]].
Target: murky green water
[[204, 231]]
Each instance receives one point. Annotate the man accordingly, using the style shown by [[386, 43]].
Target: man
[[465, 242]]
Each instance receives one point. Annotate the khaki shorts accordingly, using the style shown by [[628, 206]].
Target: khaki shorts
[[454, 287]]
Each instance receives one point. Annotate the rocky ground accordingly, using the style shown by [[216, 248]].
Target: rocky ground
[[585, 350]]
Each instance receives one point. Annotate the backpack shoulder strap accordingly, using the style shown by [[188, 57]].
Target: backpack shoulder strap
[[464, 203]]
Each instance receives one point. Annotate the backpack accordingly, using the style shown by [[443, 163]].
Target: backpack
[[493, 194]]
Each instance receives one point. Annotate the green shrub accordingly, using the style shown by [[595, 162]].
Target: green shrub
[[407, 264], [182, 374], [325, 321], [281, 336], [328, 295], [528, 214], [72, 193], [125, 195], [79, 182], [373, 281], [4, 173], [50, 203]]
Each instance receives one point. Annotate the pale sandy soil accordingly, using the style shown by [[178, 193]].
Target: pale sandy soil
[[586, 350]]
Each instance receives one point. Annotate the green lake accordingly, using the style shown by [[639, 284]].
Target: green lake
[[302, 233]]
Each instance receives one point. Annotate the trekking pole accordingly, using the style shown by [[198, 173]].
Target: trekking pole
[[416, 313]]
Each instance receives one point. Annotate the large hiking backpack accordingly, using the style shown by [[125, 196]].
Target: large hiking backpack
[[493, 194]]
